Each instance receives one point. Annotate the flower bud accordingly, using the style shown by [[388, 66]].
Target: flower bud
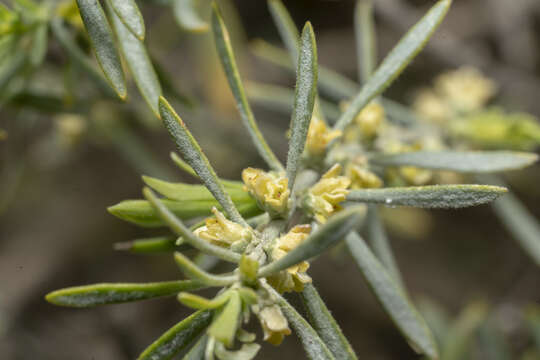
[[324, 197], [220, 231], [319, 136], [269, 190], [274, 324], [294, 278]]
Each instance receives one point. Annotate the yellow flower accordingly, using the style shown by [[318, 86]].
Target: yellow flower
[[431, 106], [274, 324], [362, 178], [465, 88], [370, 119], [319, 136], [295, 277], [220, 231], [324, 197], [269, 190]]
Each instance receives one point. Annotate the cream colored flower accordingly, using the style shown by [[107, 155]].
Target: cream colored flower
[[220, 231], [295, 277], [324, 197], [319, 136], [362, 178], [274, 324], [269, 190], [431, 106], [370, 119], [465, 88]]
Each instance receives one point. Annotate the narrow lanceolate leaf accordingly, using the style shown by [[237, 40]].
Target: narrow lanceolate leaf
[[186, 16], [330, 82], [141, 213], [192, 271], [129, 13], [158, 244], [104, 294], [178, 227], [389, 294], [326, 236], [281, 99], [102, 39], [194, 156], [380, 244], [190, 192], [197, 351], [326, 325], [460, 161], [434, 196], [366, 43], [518, 220], [139, 63], [225, 323], [396, 61], [226, 55], [178, 337], [315, 348], [286, 27], [304, 100], [78, 56]]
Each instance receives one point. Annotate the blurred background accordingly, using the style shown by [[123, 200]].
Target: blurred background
[[58, 176]]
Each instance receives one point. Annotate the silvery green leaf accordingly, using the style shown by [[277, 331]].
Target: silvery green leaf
[[141, 213], [130, 15], [178, 337], [366, 43], [178, 227], [460, 161], [158, 244], [391, 297], [139, 63], [315, 348], [226, 321], [286, 27], [324, 237], [102, 39], [330, 82], [187, 17], [325, 324], [279, 98], [304, 100], [431, 196], [517, 220], [192, 271], [197, 351], [228, 61], [246, 352], [103, 294], [380, 244], [436, 316], [77, 55], [396, 61], [190, 149]]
